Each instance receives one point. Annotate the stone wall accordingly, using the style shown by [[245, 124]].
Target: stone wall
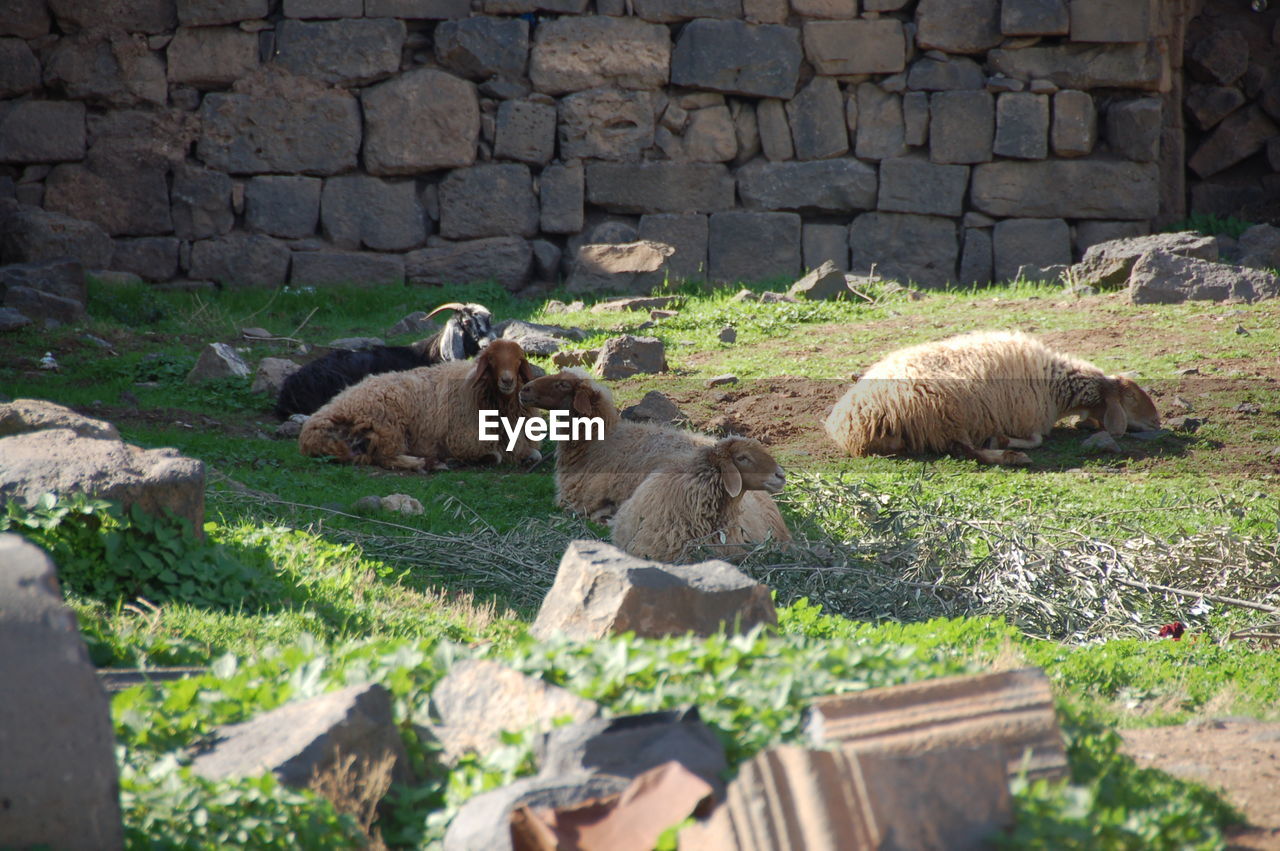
[[259, 142]]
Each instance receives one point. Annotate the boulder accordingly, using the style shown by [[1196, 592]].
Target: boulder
[[655, 407], [600, 591], [218, 360], [625, 356], [625, 267], [1163, 278], [271, 375], [824, 283], [60, 784], [1108, 264], [39, 305], [22, 416]]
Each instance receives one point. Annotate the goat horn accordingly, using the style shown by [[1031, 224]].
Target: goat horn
[[453, 305]]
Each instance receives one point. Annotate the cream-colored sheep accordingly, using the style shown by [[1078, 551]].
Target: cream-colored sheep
[[594, 477], [420, 418], [980, 395], [696, 499]]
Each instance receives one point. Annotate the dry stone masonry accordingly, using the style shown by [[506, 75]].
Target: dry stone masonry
[[313, 142]]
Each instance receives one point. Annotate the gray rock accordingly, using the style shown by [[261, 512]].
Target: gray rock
[[19, 68], [846, 48], [1133, 129], [1241, 135], [1108, 264], [1208, 105], [201, 202], [816, 115], [655, 407], [203, 13], [977, 262], [625, 356], [687, 234], [287, 206], [478, 700], [1022, 126], [488, 200], [361, 211], [905, 247], [825, 283], [572, 54], [60, 784], [1101, 442], [63, 278], [240, 260], [659, 187], [12, 320], [1083, 66], [1259, 247], [825, 243], [526, 132], [483, 47], [25, 18], [728, 334], [106, 68], [329, 268], [154, 258], [38, 305], [41, 131], [22, 416], [32, 236], [508, 260], [561, 190], [605, 123], [218, 360], [966, 26], [962, 126], [944, 73], [913, 184], [881, 130], [1075, 124], [546, 260], [1163, 278], [915, 119], [774, 130], [737, 58], [601, 591], [271, 374], [828, 186], [1219, 56], [1084, 189], [749, 246], [279, 131], [484, 822], [419, 121], [1029, 247], [617, 305], [618, 267], [1034, 17], [211, 57], [670, 11], [350, 52]]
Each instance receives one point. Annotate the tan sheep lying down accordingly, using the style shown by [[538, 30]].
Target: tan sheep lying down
[[594, 477], [696, 499], [420, 418], [980, 395]]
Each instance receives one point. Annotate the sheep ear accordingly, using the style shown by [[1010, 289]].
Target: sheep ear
[[731, 478], [480, 371], [526, 372], [584, 400], [1114, 419]]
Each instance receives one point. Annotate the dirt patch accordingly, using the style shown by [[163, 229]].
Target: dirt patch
[[1239, 756]]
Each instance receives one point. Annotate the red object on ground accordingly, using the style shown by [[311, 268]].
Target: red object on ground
[[1173, 630]]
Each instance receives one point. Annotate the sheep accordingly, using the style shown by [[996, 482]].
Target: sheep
[[696, 498], [417, 419], [466, 332], [980, 395], [594, 477]]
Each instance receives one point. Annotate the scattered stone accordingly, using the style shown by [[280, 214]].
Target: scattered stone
[[356, 343], [640, 303], [218, 360], [402, 503], [1108, 264], [744, 295], [1101, 441], [1187, 424], [366, 504], [770, 297], [628, 355], [582, 357], [60, 784], [729, 334], [1242, 331], [1248, 408], [271, 375], [825, 283], [1184, 404], [1189, 370], [655, 407], [600, 591], [557, 306], [1163, 278], [722, 380]]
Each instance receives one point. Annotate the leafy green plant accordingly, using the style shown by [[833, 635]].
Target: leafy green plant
[[1211, 224]]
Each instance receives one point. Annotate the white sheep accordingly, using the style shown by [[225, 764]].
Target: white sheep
[[420, 418], [980, 395], [594, 477], [696, 498]]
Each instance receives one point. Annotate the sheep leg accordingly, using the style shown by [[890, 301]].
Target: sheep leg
[[1006, 442], [998, 457]]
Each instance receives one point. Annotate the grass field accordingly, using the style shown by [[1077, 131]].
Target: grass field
[[906, 568]]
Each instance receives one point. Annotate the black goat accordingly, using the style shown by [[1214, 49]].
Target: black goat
[[462, 337]]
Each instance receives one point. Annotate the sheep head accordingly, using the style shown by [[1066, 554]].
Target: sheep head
[[503, 367], [1125, 407], [745, 465], [570, 390]]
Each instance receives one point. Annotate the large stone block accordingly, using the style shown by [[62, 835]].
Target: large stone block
[[687, 233], [283, 205], [976, 261], [488, 200], [211, 57], [418, 9], [1105, 21], [827, 186], [201, 202], [112, 68], [671, 11], [205, 13], [313, 131], [240, 260], [915, 119], [329, 268], [124, 198], [561, 188], [737, 58], [361, 211], [1133, 129], [1029, 247], [915, 185], [775, 130], [904, 247], [60, 784], [816, 115], [1022, 126], [141, 16], [525, 132], [1075, 123], [154, 258], [42, 131], [1219, 56], [660, 187], [40, 306], [1082, 189], [1085, 66], [528, 7], [484, 47], [420, 121], [508, 260], [25, 18], [943, 73], [962, 126], [753, 247], [1207, 105], [32, 235], [349, 52], [572, 54], [841, 48], [1034, 17], [710, 136], [958, 26], [312, 9], [881, 129], [606, 123], [19, 68]]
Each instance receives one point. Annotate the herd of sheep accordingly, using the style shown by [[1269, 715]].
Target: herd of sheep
[[666, 490]]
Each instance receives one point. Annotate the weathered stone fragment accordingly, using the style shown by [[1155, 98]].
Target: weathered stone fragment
[[110, 68], [620, 357], [360, 211], [881, 132], [1240, 135], [841, 48], [1221, 56], [750, 246], [1034, 17], [19, 68], [943, 73], [606, 123], [328, 268], [201, 202], [687, 234], [483, 47], [825, 244], [1022, 126], [217, 361], [488, 200], [1133, 129], [1083, 189], [962, 126], [618, 267], [1104, 21], [958, 26], [1108, 263], [204, 13], [976, 261], [1029, 247], [211, 57], [41, 131], [816, 116], [277, 132], [572, 54], [600, 591], [32, 235], [1075, 123], [710, 136], [659, 187], [39, 305], [526, 132], [904, 247], [349, 52], [737, 58], [915, 185], [508, 260], [655, 407], [775, 130], [420, 121], [22, 416], [1207, 105], [560, 193], [915, 119], [1084, 66], [823, 283], [154, 258], [283, 205], [271, 375], [240, 260], [1163, 278]]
